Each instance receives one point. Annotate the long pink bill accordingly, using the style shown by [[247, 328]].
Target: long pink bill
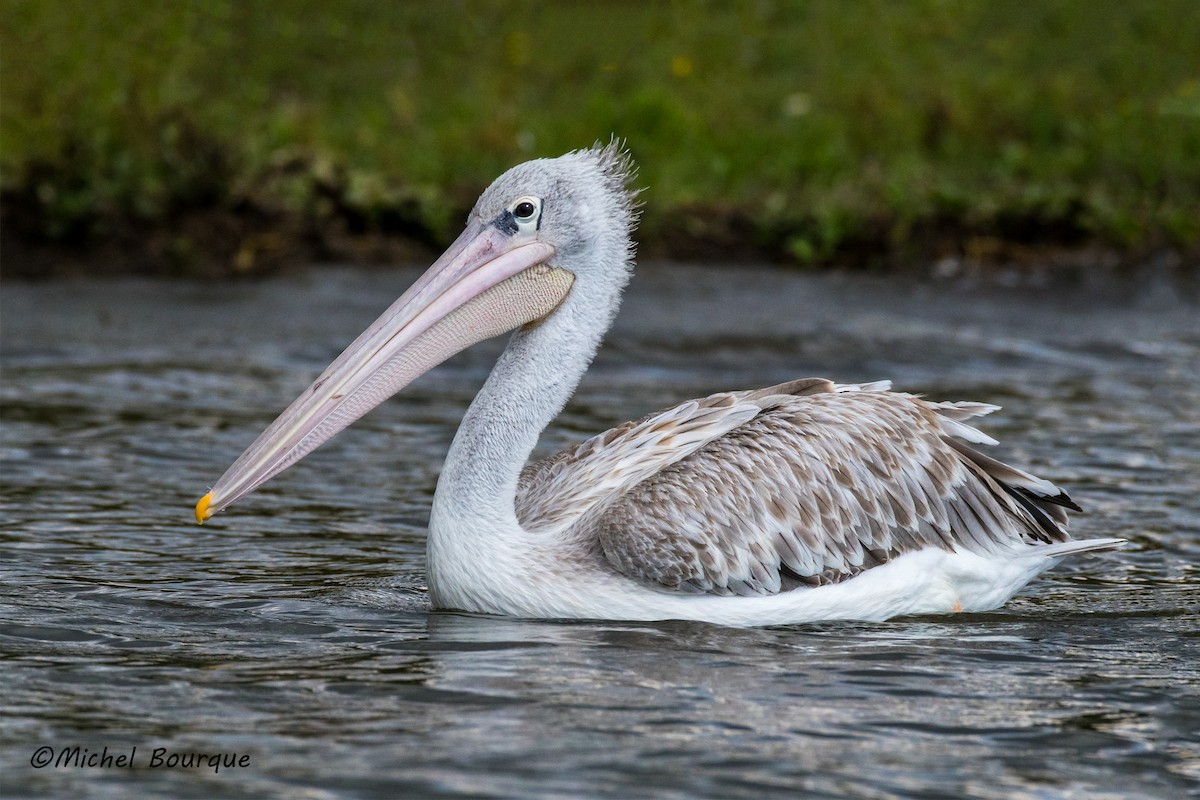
[[485, 284]]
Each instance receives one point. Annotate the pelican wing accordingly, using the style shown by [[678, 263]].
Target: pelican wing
[[565, 486], [801, 484]]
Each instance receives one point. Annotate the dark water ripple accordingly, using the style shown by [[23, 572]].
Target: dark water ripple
[[297, 630]]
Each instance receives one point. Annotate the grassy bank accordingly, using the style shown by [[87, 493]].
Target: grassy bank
[[238, 136]]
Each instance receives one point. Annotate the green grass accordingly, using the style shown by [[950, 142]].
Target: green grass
[[808, 130]]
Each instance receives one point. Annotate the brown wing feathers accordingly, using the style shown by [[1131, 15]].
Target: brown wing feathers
[[817, 488]]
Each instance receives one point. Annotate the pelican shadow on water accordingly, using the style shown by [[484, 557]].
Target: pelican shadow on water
[[809, 500]]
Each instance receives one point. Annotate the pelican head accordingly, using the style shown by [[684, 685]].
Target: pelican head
[[541, 231]]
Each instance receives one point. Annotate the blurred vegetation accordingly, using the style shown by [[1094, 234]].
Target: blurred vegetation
[[227, 136]]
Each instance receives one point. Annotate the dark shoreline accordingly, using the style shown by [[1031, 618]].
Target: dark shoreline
[[253, 242]]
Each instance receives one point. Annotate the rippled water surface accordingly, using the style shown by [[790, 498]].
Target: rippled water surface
[[296, 629]]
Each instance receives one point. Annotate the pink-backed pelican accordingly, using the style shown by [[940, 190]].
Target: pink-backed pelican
[[805, 501]]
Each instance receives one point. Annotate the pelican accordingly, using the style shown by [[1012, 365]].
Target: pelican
[[800, 502]]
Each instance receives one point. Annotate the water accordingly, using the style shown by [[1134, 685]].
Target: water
[[295, 630]]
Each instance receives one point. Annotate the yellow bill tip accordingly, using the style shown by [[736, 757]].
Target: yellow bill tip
[[202, 512]]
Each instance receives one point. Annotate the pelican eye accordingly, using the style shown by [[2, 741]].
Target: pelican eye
[[523, 216], [525, 210]]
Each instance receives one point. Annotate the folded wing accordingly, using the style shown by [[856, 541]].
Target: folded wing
[[801, 484]]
